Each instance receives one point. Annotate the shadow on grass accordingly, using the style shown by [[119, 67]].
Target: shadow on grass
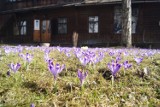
[[105, 73], [34, 87], [2, 75], [156, 62], [71, 87], [3, 92]]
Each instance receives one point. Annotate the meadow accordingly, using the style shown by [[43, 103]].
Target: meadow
[[79, 77]]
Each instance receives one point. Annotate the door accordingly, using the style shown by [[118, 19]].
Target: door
[[45, 31], [36, 33]]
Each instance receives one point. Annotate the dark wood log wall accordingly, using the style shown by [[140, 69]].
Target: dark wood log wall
[[148, 28], [19, 4], [151, 23]]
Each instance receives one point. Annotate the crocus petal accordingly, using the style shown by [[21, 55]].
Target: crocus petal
[[114, 67], [14, 67], [55, 69], [79, 74], [138, 60], [117, 67], [32, 105], [82, 76], [17, 66]]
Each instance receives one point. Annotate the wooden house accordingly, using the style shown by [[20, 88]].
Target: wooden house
[[97, 22]]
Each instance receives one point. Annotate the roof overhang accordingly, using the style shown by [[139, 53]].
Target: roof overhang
[[84, 3]]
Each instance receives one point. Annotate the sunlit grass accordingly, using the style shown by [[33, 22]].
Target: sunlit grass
[[36, 84]]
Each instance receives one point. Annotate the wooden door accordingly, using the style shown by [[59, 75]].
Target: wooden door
[[45, 31], [36, 32]]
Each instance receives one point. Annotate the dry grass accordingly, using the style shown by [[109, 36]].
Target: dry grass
[[36, 85]]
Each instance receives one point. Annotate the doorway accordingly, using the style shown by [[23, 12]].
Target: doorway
[[45, 31], [42, 31]]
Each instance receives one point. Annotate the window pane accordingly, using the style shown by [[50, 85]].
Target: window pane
[[24, 23], [23, 29], [49, 26], [15, 29], [134, 19], [62, 25], [62, 29], [36, 24], [62, 20], [96, 28], [118, 20], [91, 28], [20, 28], [93, 18], [93, 24], [44, 26]]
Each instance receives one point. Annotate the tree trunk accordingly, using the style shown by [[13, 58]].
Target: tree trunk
[[126, 38]]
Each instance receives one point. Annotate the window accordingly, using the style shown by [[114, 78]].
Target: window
[[23, 28], [20, 28], [62, 25], [12, 0], [44, 26], [15, 29], [93, 24], [134, 19], [36, 24], [118, 20]]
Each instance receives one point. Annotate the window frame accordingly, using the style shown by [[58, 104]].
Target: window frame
[[23, 27], [93, 23], [135, 15], [20, 28]]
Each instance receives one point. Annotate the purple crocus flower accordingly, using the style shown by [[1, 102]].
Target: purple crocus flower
[[27, 57], [114, 67], [32, 105], [14, 67], [127, 65], [55, 69], [138, 60], [111, 53], [67, 54], [82, 76], [118, 58], [84, 60]]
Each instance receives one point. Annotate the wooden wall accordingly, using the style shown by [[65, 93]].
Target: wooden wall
[[77, 19], [20, 4], [148, 28]]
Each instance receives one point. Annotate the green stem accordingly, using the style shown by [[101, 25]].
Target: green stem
[[124, 71], [112, 80]]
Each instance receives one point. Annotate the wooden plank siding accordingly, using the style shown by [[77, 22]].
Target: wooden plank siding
[[24, 4], [147, 30], [151, 23]]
